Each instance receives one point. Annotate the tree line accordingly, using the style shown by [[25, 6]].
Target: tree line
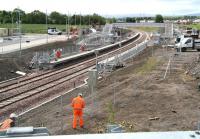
[[38, 17]]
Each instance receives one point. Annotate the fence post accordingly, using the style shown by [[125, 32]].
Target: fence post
[[61, 112]]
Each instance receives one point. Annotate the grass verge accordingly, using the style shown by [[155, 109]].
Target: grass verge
[[111, 113], [36, 28], [148, 66]]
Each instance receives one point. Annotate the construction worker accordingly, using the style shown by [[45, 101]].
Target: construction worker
[[8, 122], [58, 54], [78, 104]]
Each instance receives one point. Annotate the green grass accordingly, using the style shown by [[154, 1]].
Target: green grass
[[146, 29], [35, 28], [195, 26], [148, 66], [111, 113]]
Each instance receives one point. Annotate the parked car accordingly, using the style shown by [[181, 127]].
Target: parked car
[[54, 31]]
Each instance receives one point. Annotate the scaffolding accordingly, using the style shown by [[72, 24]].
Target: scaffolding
[[108, 35]]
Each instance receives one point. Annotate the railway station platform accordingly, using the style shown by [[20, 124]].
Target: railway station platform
[[92, 53]]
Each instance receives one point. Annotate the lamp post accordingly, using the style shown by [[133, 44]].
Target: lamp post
[[68, 26], [120, 43], [47, 26], [12, 24], [80, 20], [19, 31], [75, 18], [89, 21]]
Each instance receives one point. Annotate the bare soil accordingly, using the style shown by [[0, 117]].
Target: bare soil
[[136, 97]]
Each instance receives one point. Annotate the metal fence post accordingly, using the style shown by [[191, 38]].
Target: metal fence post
[[61, 112]]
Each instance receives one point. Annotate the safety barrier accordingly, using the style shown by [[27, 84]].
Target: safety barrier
[[118, 60], [133, 51]]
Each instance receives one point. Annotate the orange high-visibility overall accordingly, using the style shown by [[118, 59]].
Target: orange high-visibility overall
[[6, 124], [78, 104], [58, 54]]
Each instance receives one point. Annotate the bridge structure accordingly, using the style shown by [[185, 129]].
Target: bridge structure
[[168, 27]]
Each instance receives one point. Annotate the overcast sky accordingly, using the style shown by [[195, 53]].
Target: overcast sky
[[106, 7]]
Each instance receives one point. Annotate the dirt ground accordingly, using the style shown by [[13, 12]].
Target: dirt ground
[[137, 97]]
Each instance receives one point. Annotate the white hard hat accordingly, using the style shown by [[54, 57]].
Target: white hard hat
[[13, 115], [80, 94]]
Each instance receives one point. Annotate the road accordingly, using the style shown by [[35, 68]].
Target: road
[[12, 44]]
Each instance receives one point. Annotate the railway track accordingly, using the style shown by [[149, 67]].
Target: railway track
[[24, 88], [12, 84]]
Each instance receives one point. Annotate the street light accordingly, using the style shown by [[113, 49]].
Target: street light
[[80, 30], [68, 25], [120, 43], [19, 28], [75, 18], [12, 23], [47, 26], [80, 20]]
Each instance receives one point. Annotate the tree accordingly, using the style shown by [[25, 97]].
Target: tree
[[15, 15], [159, 18], [57, 18], [36, 17], [130, 20], [5, 17]]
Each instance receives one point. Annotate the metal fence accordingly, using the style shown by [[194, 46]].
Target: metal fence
[[139, 24], [168, 31], [133, 51], [112, 62]]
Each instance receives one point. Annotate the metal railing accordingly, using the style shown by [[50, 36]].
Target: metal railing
[[118, 60]]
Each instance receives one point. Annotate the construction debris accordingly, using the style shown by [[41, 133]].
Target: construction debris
[[154, 118], [194, 68], [114, 129]]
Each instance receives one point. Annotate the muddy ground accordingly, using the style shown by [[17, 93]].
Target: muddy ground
[[136, 97]]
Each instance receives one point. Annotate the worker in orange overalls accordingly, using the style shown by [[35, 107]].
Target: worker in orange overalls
[[58, 53], [78, 104], [8, 122]]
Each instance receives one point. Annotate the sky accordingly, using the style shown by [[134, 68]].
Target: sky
[[106, 7]]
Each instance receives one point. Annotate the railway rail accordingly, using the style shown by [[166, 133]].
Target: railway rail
[[22, 88]]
